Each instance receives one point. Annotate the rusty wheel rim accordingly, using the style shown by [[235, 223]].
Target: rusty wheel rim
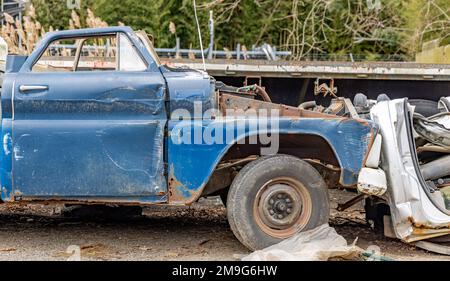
[[282, 207]]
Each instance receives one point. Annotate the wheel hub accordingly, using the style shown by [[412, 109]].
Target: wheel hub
[[281, 205], [280, 208]]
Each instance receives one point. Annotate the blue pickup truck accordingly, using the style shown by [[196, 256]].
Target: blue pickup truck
[[93, 117]]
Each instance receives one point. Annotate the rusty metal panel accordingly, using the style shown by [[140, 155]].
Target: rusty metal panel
[[191, 164]]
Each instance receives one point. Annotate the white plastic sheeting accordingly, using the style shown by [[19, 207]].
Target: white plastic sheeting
[[319, 244]]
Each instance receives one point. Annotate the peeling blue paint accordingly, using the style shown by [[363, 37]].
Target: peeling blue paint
[[194, 162]]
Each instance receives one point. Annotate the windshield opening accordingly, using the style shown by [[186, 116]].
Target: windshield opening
[[149, 45]]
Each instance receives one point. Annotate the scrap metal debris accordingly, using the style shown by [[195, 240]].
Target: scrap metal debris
[[434, 129], [433, 138]]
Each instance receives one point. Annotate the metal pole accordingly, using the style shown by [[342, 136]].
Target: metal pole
[[211, 35], [177, 48], [199, 34]]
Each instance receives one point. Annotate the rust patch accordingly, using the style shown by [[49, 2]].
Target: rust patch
[[424, 228], [423, 231], [177, 191], [244, 105]]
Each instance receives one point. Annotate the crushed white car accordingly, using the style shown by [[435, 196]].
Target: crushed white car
[[419, 209], [406, 178]]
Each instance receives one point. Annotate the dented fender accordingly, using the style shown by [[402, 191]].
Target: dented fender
[[192, 164]]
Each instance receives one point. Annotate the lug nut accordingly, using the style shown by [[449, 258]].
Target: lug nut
[[280, 196], [271, 201], [280, 216], [271, 212], [288, 200], [289, 211]]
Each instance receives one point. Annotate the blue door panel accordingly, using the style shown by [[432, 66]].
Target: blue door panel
[[105, 95], [88, 158], [90, 134]]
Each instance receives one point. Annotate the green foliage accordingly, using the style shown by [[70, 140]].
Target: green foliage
[[305, 27], [140, 14], [155, 16], [55, 13], [429, 20]]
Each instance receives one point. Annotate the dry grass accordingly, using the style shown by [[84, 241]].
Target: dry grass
[[22, 36]]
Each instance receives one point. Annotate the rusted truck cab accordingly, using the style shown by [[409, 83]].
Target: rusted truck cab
[[92, 116]]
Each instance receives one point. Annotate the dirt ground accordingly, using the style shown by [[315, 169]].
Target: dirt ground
[[199, 232]]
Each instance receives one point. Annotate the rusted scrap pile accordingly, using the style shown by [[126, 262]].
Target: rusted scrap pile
[[431, 122], [433, 148]]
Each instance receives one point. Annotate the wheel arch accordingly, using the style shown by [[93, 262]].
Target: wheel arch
[[179, 193], [191, 164]]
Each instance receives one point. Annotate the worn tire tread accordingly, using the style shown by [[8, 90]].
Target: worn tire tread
[[244, 185]]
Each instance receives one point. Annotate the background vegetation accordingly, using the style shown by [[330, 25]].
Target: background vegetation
[[305, 27]]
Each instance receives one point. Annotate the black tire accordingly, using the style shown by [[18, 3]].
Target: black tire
[[268, 175], [426, 108]]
